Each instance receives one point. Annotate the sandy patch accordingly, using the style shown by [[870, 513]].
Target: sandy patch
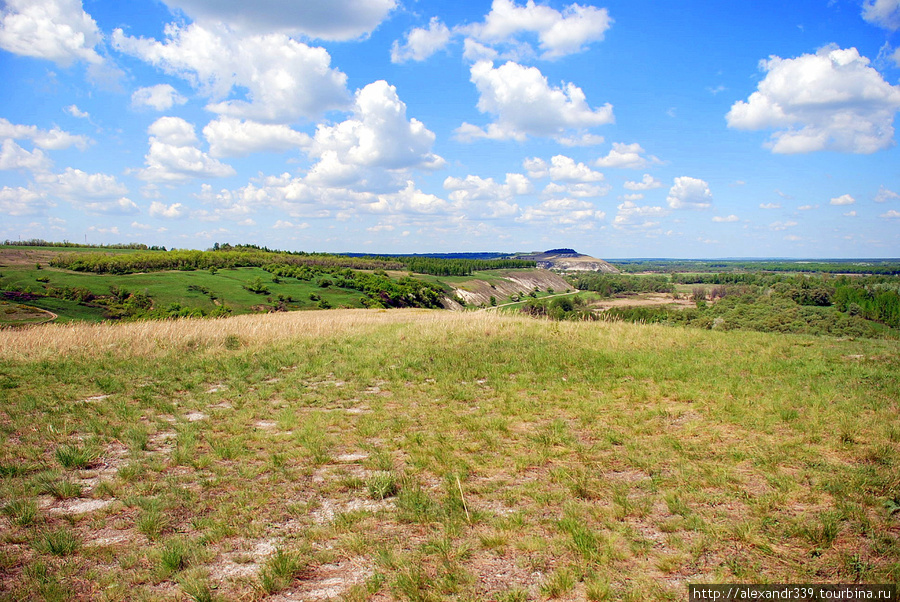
[[79, 506]]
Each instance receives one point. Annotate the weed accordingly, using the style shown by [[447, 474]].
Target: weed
[[382, 485], [152, 523], [59, 542], [77, 456], [513, 595], [279, 571], [558, 583], [21, 512], [174, 556], [50, 484]]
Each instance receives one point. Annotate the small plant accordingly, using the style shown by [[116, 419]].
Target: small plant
[[21, 512], [382, 484], [152, 523], [60, 542], [279, 570], [174, 556], [558, 583], [77, 456], [50, 484]]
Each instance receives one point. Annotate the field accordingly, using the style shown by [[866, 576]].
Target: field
[[429, 455]]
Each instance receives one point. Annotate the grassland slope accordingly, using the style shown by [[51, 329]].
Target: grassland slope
[[427, 455]]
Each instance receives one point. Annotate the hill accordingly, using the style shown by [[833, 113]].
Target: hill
[[569, 260]]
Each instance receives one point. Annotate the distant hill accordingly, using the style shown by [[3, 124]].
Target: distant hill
[[569, 260]]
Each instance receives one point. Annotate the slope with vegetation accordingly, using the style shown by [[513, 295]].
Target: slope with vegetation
[[424, 455]]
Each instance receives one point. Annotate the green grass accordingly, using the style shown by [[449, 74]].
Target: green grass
[[420, 454]]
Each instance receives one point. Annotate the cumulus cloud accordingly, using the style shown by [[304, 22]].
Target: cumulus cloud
[[90, 192], [831, 100], [13, 156], [332, 20], [576, 190], [378, 137], [494, 199], [844, 199], [161, 210], [882, 13], [285, 80], [726, 219], [524, 104], [779, 225], [55, 30], [630, 216], [689, 193], [891, 214], [74, 111], [558, 33], [229, 137], [885, 195], [563, 212], [408, 200], [648, 182], [161, 97], [562, 169], [421, 42], [769, 206], [22, 201], [174, 156], [55, 139], [625, 156]]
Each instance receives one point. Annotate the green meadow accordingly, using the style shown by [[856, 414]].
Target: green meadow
[[432, 455]]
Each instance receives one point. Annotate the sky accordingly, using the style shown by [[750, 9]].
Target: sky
[[623, 129]]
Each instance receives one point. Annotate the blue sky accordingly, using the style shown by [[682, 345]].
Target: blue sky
[[623, 129]]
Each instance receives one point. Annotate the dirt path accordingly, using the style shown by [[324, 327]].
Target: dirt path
[[518, 302]]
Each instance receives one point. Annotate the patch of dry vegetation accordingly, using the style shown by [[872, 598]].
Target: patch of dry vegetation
[[422, 455]]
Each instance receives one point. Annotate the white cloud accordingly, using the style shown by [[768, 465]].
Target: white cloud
[[769, 206], [577, 190], [831, 100], [885, 195], [55, 139], [90, 192], [229, 137], [525, 104], [563, 212], [332, 20], [474, 192], [850, 214], [625, 156], [807, 207], [74, 111], [778, 226], [174, 156], [22, 201], [844, 199], [161, 97], [421, 42], [727, 219], [558, 33], [55, 30], [892, 214], [648, 182], [562, 169], [633, 217], [161, 210], [583, 139], [285, 80], [689, 193], [882, 13], [408, 200], [378, 137], [13, 156]]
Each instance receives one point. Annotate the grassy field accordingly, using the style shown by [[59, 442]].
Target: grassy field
[[426, 455]]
